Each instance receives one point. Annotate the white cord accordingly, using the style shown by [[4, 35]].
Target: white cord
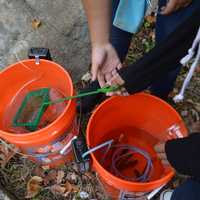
[[184, 61], [179, 97]]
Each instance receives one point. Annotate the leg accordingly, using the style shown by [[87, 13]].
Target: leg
[[120, 39], [190, 190], [164, 26]]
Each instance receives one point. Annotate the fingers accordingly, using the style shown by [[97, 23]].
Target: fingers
[[101, 79], [119, 66], [174, 5], [98, 59], [160, 148], [163, 158], [94, 71], [165, 162], [169, 8], [108, 77], [113, 79], [117, 80]]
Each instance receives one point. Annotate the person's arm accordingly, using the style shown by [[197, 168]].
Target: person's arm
[[184, 155], [104, 56], [98, 13], [160, 60]]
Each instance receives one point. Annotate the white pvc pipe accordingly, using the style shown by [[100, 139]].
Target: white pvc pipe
[[154, 192], [196, 45], [63, 150]]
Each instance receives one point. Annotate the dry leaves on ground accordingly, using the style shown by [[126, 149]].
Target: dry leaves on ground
[[7, 151], [36, 23], [151, 19], [64, 189], [60, 176], [33, 186]]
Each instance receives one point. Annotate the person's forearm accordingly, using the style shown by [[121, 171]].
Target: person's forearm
[[99, 17], [183, 154], [162, 58]]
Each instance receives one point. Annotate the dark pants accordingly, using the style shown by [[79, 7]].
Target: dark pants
[[164, 26], [190, 190]]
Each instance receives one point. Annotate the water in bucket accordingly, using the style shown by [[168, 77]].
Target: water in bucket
[[50, 114], [127, 165]]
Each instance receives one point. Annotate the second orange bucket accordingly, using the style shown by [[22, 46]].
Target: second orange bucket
[[45, 145], [141, 121]]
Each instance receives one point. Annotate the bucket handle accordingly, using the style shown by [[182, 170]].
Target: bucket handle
[[154, 192], [64, 149]]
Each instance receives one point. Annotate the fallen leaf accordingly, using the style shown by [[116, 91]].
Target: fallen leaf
[[36, 23], [89, 175], [63, 189], [46, 167], [86, 77], [39, 171], [72, 177], [68, 186], [57, 189], [195, 127], [152, 35], [151, 19], [50, 177], [75, 188], [33, 186], [60, 176], [6, 153]]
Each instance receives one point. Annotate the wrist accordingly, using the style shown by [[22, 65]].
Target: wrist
[[102, 44]]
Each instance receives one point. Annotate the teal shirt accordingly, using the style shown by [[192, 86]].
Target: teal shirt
[[130, 15]]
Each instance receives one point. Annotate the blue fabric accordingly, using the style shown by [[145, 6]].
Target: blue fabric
[[165, 24], [190, 190], [130, 14], [120, 39]]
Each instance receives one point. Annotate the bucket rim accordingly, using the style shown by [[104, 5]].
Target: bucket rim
[[109, 177], [25, 136]]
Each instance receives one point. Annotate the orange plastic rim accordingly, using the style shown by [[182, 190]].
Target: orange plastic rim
[[96, 120], [49, 74]]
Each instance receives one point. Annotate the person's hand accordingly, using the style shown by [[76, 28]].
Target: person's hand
[[174, 5], [160, 150], [117, 80], [104, 61]]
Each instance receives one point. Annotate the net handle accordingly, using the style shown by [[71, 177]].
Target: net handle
[[104, 90]]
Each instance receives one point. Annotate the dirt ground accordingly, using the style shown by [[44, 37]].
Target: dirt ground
[[66, 182]]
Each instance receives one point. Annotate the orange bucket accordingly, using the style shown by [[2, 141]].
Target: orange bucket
[[44, 145], [140, 120]]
